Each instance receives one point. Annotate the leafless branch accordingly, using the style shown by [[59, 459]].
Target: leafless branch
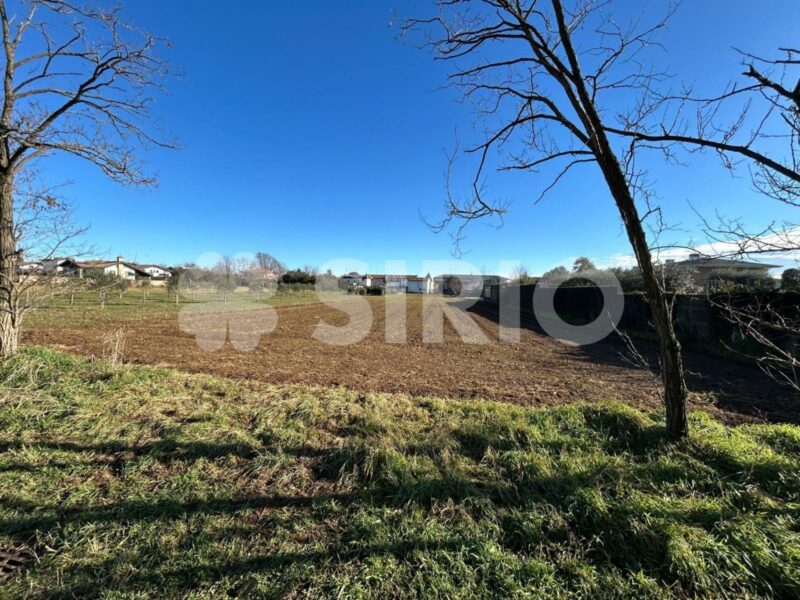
[[540, 100], [77, 80]]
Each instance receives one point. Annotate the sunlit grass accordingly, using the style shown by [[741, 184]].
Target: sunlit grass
[[145, 482]]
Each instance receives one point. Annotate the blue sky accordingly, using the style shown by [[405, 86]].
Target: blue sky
[[311, 132]]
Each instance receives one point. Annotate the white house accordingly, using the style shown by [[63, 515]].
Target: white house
[[373, 281], [420, 285], [29, 267], [118, 268], [395, 284], [155, 271], [69, 267], [399, 284]]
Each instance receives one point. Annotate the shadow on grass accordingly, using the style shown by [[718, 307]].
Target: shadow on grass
[[285, 563], [164, 450], [558, 498]]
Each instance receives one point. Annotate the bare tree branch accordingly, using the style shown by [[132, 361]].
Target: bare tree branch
[[539, 96], [77, 80]]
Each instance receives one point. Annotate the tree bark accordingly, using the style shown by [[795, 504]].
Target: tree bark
[[9, 336], [9, 319], [675, 391]]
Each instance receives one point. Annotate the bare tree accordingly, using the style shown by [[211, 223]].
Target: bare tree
[[76, 80], [541, 94], [224, 270], [520, 275], [268, 263], [44, 229], [766, 106], [773, 323], [582, 264], [241, 264]]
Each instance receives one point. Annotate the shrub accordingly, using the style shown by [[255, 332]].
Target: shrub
[[790, 280], [298, 276], [731, 282]]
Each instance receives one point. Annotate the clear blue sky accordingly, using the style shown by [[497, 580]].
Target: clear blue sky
[[310, 132]]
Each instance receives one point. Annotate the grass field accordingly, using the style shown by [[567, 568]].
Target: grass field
[[141, 482], [84, 308]]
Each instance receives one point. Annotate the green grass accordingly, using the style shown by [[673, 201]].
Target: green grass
[[84, 309], [134, 482]]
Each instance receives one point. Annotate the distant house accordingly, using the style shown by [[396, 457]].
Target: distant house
[[255, 275], [67, 267], [470, 285], [352, 279], [419, 285], [29, 267], [704, 268], [51, 267], [155, 271], [373, 281], [118, 268], [395, 284], [399, 284]]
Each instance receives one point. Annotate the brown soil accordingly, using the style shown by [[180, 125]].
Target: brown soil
[[537, 371]]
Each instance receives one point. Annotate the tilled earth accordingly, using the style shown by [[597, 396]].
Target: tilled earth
[[468, 362]]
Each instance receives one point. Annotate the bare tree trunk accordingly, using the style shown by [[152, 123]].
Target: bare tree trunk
[[523, 93], [9, 336], [675, 391], [71, 84], [9, 327]]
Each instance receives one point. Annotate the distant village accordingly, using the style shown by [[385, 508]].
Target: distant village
[[119, 268], [158, 275], [701, 270]]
